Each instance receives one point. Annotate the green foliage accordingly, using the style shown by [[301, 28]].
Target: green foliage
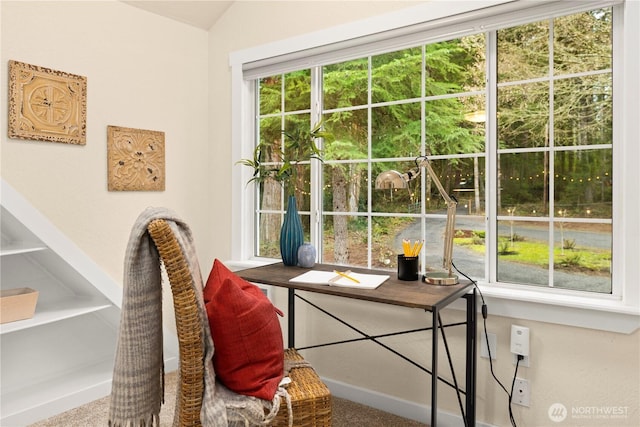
[[569, 244], [376, 124], [271, 162], [505, 247]]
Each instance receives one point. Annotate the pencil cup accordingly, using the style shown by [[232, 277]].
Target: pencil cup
[[407, 267]]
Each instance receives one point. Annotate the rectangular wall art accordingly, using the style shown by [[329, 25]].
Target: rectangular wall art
[[135, 159], [46, 105]]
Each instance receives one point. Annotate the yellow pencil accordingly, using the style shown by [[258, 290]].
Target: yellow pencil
[[417, 251], [346, 275], [413, 249], [405, 247]]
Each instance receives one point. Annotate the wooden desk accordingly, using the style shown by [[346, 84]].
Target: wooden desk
[[415, 294]]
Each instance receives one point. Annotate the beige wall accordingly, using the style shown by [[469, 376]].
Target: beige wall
[[143, 71], [147, 72]]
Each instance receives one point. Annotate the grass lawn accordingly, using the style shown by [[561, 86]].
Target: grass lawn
[[533, 252]]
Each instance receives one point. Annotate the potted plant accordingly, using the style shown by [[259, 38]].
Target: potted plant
[[273, 161]]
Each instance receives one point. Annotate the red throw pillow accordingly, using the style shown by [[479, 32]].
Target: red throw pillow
[[249, 351]]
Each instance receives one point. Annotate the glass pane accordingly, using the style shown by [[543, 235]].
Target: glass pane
[[396, 75], [583, 183], [469, 187], [582, 256], [270, 133], [306, 226], [269, 244], [344, 240], [395, 130], [469, 245], [297, 90], [583, 42], [395, 187], [300, 184], [270, 226], [457, 179], [387, 239], [583, 111], [455, 125], [345, 187], [523, 115], [523, 52], [270, 94], [523, 184], [350, 133], [345, 84], [455, 66], [523, 252], [297, 149]]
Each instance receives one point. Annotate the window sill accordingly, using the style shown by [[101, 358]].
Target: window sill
[[602, 313], [583, 311]]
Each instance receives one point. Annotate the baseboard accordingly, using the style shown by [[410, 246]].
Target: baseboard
[[394, 405]]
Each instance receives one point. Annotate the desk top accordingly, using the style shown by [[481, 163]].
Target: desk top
[[414, 294]]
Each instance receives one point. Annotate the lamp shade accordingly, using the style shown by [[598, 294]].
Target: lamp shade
[[390, 179]]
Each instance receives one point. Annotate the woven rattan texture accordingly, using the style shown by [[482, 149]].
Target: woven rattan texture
[[310, 397], [191, 344]]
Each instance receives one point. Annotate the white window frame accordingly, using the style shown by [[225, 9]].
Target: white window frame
[[619, 312]]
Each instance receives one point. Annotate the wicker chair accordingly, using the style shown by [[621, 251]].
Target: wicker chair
[[310, 398]]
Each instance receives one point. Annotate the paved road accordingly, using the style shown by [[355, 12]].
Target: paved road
[[472, 263]]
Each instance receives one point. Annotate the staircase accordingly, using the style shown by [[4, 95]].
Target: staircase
[[62, 357]]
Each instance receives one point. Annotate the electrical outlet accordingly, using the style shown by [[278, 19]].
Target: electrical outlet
[[519, 340], [493, 346], [521, 392], [524, 363]]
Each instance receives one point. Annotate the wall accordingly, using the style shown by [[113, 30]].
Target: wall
[[143, 71], [587, 371]]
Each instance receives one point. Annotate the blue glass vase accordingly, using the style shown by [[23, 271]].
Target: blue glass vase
[[291, 235]]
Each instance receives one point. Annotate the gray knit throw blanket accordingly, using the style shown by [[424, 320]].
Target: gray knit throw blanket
[[138, 376]]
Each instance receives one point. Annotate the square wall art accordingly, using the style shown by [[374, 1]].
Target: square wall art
[[135, 159], [47, 105]]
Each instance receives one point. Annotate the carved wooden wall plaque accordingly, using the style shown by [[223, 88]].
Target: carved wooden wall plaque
[[135, 159], [47, 105]]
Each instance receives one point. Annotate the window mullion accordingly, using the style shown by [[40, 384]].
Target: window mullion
[[492, 159], [370, 166], [315, 219], [551, 176]]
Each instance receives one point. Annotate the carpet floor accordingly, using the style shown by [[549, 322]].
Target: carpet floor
[[345, 413]]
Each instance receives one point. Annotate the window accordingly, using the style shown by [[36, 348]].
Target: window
[[553, 154], [519, 112]]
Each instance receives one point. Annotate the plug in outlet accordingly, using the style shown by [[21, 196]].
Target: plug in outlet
[[493, 346], [524, 363], [521, 393]]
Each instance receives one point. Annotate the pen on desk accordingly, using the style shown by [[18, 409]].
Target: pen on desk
[[346, 275]]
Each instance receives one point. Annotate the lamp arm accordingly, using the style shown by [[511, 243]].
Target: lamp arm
[[423, 161], [447, 257]]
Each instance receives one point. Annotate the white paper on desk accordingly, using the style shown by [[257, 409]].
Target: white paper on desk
[[367, 281]]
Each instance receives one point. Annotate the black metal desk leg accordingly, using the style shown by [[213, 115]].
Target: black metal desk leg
[[292, 318], [434, 368], [470, 385]]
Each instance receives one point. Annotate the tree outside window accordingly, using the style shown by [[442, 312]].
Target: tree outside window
[[552, 205]]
